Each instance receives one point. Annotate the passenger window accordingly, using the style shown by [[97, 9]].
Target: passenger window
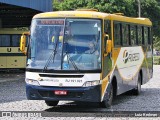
[[15, 40], [117, 34], [125, 34], [145, 36], [139, 35], [5, 40], [107, 28], [149, 35], [133, 35]]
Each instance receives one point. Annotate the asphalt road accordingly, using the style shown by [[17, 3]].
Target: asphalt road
[[13, 98]]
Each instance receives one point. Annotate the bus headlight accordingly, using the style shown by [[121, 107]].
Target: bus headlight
[[91, 83], [32, 82]]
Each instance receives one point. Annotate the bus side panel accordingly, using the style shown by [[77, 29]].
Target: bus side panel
[[120, 86], [16, 61], [3, 62], [12, 57], [123, 85], [127, 67]]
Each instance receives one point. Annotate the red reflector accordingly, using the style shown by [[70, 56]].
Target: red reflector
[[60, 92]]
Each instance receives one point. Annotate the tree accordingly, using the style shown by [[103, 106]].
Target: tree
[[68, 4], [110, 6]]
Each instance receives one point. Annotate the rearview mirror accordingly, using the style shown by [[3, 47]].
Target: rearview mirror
[[108, 46], [23, 43]]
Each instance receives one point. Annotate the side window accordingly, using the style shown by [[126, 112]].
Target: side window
[[5, 40], [117, 34], [27, 39], [125, 34], [145, 35], [107, 28], [139, 35], [149, 35], [133, 34], [15, 40]]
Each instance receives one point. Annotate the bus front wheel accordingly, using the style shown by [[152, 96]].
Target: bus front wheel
[[51, 103], [108, 102]]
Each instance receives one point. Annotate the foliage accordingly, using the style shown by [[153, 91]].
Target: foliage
[[156, 43], [156, 60], [149, 9]]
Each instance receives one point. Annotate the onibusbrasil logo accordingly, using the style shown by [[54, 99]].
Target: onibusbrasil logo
[[125, 56]]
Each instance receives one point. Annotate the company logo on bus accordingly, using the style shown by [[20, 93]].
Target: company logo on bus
[[130, 57], [125, 56]]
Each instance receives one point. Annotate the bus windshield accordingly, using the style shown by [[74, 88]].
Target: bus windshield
[[65, 44]]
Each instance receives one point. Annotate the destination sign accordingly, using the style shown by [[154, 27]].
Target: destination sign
[[51, 22]]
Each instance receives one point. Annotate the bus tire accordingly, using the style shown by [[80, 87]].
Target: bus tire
[[137, 90], [108, 102], [51, 103]]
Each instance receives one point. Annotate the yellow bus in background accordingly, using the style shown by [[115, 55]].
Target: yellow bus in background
[[10, 55], [99, 56]]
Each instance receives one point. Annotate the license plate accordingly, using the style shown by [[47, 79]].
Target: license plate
[[60, 92]]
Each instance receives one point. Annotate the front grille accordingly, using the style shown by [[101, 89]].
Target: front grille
[[61, 76], [51, 94]]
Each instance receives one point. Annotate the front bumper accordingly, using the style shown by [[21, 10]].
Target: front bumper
[[88, 94]]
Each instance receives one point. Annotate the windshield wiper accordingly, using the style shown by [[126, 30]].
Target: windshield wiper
[[73, 63], [51, 57]]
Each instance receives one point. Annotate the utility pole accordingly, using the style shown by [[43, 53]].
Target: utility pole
[[139, 8]]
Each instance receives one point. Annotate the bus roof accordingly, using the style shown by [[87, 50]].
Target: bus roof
[[92, 14]]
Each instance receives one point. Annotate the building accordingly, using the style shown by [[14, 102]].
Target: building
[[18, 13]]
